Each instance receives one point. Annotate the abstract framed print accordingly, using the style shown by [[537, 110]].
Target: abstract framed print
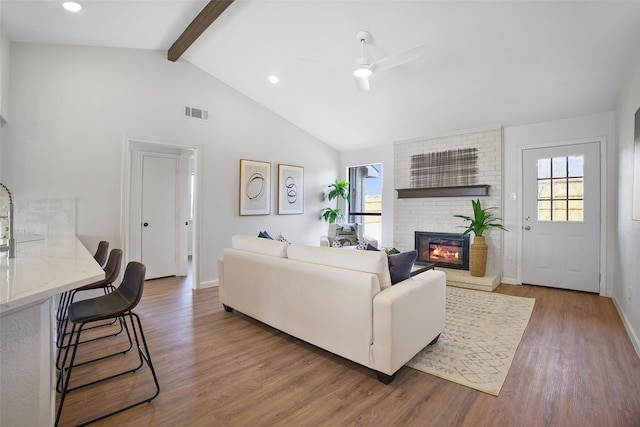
[[290, 190], [255, 187]]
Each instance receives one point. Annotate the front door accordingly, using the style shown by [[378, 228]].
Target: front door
[[158, 237], [561, 208]]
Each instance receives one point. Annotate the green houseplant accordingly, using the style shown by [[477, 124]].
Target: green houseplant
[[482, 220], [337, 190]]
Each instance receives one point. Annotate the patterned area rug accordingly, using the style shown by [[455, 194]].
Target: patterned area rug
[[481, 334]]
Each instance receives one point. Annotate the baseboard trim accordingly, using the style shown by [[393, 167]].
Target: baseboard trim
[[208, 284], [627, 325], [509, 281]]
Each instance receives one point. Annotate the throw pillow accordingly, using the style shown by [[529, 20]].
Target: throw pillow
[[362, 246], [280, 238], [345, 242], [264, 235], [370, 247], [336, 244], [400, 265], [347, 232]]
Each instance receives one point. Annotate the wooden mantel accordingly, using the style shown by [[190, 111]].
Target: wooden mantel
[[464, 190]]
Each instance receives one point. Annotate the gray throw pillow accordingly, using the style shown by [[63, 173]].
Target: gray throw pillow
[[400, 265], [264, 235]]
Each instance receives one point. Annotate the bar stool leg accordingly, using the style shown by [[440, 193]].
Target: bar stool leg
[[143, 355]]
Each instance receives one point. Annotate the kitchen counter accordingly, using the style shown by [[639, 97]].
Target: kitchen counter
[[42, 269], [29, 284]]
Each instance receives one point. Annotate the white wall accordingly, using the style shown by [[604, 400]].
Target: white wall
[[626, 291], [384, 155], [578, 128], [72, 107], [4, 87]]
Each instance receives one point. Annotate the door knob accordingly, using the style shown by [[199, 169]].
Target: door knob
[[146, 224], [527, 218], [527, 228]]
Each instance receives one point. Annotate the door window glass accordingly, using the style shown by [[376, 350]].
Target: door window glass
[[561, 189]]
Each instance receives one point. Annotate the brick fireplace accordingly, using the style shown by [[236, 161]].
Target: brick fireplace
[[435, 213]]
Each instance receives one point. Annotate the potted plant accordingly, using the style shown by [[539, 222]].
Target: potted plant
[[482, 219], [337, 190]]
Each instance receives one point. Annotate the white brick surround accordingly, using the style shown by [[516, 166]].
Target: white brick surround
[[436, 213]]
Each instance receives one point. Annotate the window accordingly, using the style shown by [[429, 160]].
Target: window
[[561, 189], [365, 198]]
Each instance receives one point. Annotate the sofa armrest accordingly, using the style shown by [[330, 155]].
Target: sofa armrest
[[406, 318], [324, 241]]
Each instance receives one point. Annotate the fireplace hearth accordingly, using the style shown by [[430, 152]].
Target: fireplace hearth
[[449, 250]]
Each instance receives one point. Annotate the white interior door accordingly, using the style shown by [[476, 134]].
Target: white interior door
[[561, 209], [159, 220]]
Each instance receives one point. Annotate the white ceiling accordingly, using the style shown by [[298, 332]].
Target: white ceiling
[[487, 63]]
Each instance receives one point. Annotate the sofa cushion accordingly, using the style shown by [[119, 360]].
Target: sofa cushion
[[366, 261], [259, 245], [400, 265]]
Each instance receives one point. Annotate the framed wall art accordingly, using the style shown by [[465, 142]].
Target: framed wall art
[[290, 189], [255, 187]]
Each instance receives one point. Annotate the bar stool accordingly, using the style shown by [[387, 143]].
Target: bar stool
[[101, 253], [111, 272], [101, 257], [117, 304]]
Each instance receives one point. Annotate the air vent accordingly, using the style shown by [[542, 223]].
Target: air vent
[[196, 113]]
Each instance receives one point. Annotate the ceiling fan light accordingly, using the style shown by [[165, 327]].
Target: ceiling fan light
[[362, 72], [72, 6]]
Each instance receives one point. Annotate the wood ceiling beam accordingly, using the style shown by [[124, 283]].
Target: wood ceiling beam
[[207, 15]]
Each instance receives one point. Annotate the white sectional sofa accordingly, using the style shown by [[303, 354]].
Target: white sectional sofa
[[341, 301]]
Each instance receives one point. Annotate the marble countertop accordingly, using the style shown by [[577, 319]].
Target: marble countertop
[[42, 269]]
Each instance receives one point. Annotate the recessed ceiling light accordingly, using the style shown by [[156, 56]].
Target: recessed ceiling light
[[274, 79], [72, 6]]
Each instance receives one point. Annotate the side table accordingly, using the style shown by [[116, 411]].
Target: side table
[[420, 268]]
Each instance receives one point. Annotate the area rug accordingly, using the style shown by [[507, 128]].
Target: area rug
[[481, 335]]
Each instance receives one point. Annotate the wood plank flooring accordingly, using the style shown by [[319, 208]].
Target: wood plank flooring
[[575, 367]]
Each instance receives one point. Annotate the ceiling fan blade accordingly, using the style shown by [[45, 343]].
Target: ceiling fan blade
[[399, 58], [362, 83]]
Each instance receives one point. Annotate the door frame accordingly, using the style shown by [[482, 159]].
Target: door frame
[[603, 202], [132, 151]]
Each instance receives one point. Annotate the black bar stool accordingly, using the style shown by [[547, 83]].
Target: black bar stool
[[101, 257], [117, 304], [111, 272]]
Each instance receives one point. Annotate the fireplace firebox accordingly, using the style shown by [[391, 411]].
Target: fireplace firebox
[[449, 250]]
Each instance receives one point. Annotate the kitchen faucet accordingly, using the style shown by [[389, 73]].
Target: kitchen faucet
[[10, 246]]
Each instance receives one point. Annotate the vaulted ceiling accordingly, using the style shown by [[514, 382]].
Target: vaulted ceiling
[[485, 63]]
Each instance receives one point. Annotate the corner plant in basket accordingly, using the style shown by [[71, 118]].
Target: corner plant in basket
[[482, 219]]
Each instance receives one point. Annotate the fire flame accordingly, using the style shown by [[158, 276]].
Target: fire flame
[[441, 254]]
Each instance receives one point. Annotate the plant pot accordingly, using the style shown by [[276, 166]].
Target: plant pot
[[478, 257]]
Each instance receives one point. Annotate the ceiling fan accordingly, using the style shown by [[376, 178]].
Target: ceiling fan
[[365, 68]]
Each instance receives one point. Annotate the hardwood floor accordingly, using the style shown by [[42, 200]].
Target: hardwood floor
[[575, 367]]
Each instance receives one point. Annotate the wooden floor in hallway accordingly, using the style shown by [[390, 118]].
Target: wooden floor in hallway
[[575, 367]]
